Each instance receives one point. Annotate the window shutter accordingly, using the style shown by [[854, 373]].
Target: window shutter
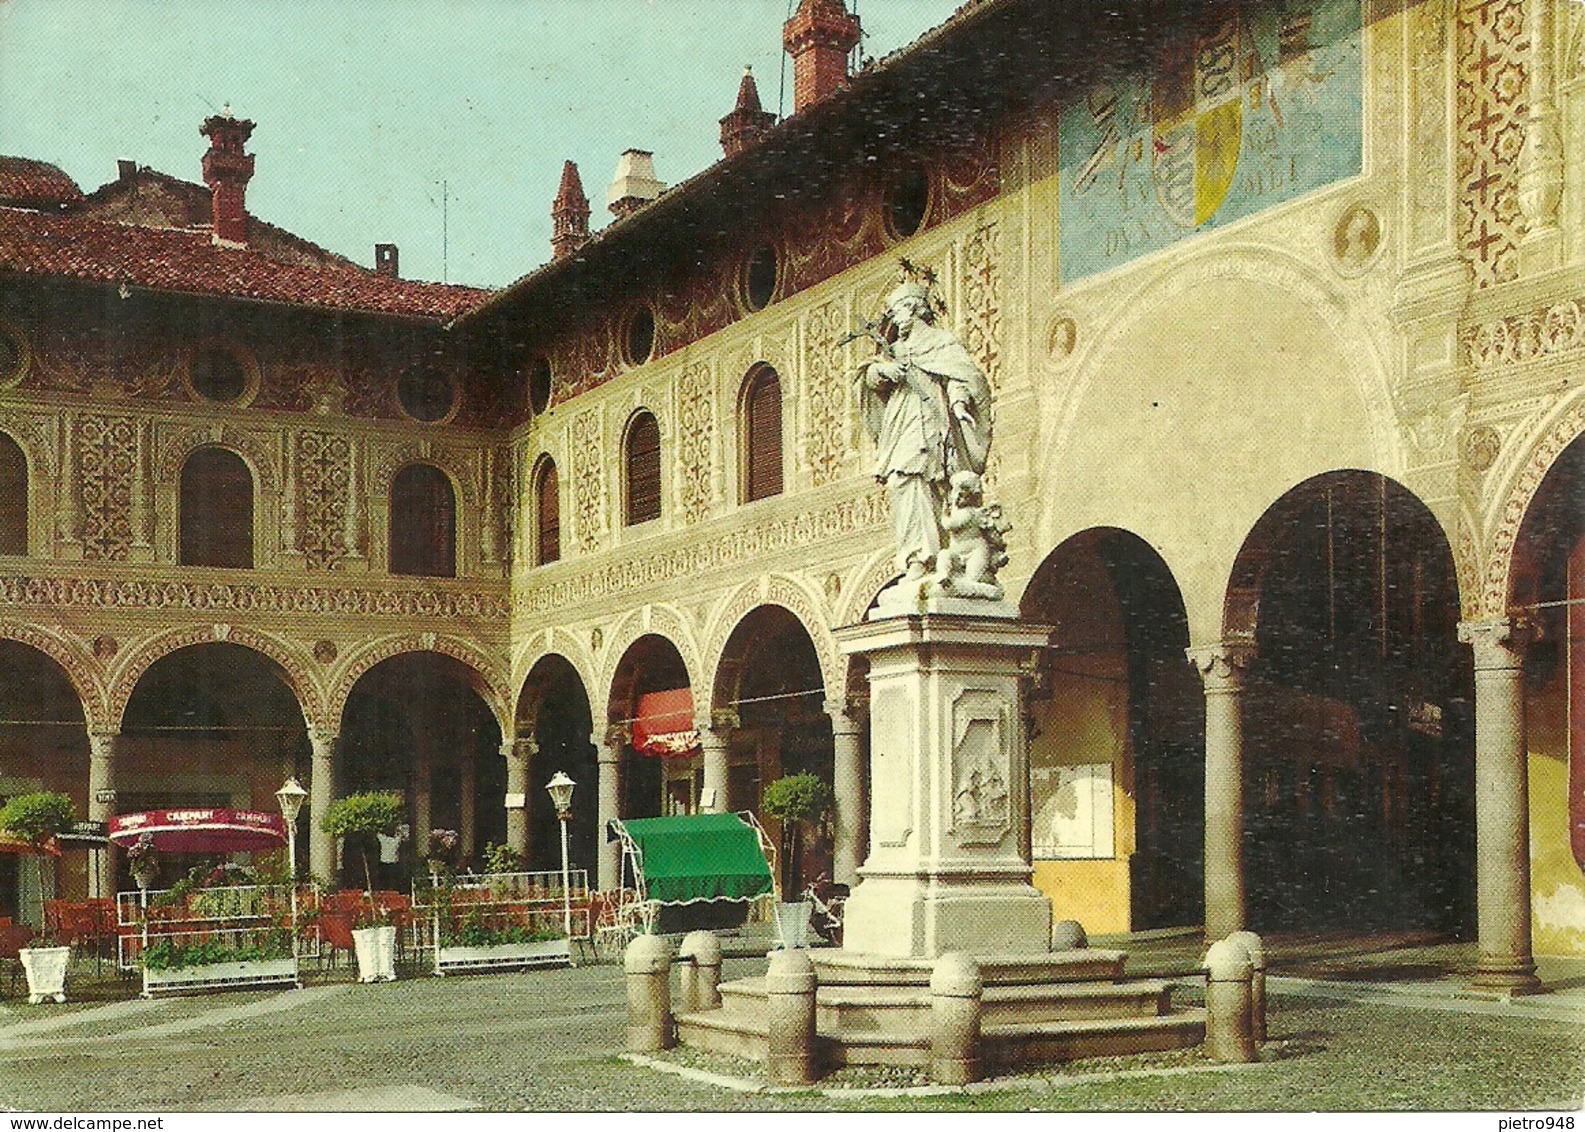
[[764, 438], [549, 516], [643, 471], [423, 523], [13, 498], [216, 511]]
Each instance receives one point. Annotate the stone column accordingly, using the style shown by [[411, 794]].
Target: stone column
[[1502, 805], [519, 755], [715, 737], [847, 784], [321, 793], [466, 801], [1223, 666], [102, 785], [608, 750]]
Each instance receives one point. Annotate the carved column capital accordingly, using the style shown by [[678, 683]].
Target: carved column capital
[[1498, 643], [523, 748], [845, 714], [1223, 665], [720, 720], [609, 743], [320, 737]]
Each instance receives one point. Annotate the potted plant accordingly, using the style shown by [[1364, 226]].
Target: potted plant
[[360, 818], [795, 801], [37, 819]]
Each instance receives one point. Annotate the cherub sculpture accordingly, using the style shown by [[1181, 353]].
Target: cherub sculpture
[[976, 542]]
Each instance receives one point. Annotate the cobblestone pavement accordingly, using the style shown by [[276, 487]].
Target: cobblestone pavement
[[552, 1040]]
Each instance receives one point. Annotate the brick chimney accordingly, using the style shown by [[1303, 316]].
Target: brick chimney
[[634, 184], [385, 261], [747, 121], [819, 37], [227, 171], [569, 214]]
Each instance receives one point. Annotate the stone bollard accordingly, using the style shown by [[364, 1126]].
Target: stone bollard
[[1068, 935], [790, 1011], [1257, 984], [955, 999], [699, 973], [1229, 1030], [647, 962]]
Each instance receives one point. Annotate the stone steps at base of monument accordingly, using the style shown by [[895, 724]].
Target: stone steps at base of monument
[[1009, 1046], [1005, 1046], [834, 967]]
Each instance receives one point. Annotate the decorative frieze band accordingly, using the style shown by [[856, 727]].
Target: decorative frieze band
[[1519, 338]]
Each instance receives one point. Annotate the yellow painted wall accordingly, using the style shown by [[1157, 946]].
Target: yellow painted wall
[[1095, 893], [1557, 887]]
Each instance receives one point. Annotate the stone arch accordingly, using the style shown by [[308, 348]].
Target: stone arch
[[868, 581], [651, 620], [297, 667], [558, 642], [1542, 448], [791, 595], [426, 452], [175, 452], [75, 662], [1239, 605], [488, 682]]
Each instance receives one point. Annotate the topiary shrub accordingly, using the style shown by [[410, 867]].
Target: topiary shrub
[[36, 818], [795, 801], [359, 817]]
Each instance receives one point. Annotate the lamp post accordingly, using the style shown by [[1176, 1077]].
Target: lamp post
[[291, 796], [560, 788]]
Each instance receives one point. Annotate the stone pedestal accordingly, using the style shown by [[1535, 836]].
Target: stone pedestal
[[948, 785]]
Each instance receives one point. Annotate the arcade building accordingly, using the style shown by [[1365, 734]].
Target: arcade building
[[1282, 306]]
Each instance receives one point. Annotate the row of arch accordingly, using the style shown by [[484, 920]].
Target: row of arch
[[215, 512], [759, 417]]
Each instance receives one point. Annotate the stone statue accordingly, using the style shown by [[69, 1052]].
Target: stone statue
[[976, 542], [927, 406]]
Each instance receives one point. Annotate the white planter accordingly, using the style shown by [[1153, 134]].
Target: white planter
[[46, 971], [210, 976], [496, 956], [376, 951], [792, 924]]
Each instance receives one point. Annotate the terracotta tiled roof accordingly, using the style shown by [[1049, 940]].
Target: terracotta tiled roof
[[36, 183], [187, 261]]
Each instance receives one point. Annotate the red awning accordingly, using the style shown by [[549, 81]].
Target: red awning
[[201, 831], [664, 725]]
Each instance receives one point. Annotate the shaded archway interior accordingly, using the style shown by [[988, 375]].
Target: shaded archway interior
[[417, 725], [554, 710], [1357, 714], [43, 746], [1548, 588], [1117, 781], [651, 786]]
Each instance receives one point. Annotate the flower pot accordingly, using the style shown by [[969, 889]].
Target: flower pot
[[497, 956], [46, 971], [791, 921], [376, 951]]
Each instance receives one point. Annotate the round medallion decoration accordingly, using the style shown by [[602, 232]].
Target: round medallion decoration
[[757, 285], [1061, 338], [1356, 238], [220, 374], [907, 201], [106, 647], [1481, 448], [638, 336], [14, 356], [539, 384], [325, 651], [426, 393]]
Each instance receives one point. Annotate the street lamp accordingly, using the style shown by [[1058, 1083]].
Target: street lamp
[[560, 788], [291, 796]]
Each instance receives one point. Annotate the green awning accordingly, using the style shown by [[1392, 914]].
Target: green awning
[[703, 857]]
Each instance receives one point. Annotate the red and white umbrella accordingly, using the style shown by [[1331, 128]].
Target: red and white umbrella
[[201, 830]]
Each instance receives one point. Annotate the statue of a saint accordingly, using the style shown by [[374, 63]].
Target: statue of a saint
[[927, 406]]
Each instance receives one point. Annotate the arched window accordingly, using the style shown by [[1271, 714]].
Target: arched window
[[13, 497], [423, 523], [216, 510], [547, 509], [643, 470], [760, 415]]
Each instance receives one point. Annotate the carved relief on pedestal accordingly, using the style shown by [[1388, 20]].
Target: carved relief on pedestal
[[981, 801], [588, 480], [106, 473], [1492, 82], [695, 440]]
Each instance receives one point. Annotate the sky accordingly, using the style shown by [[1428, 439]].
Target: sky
[[437, 125]]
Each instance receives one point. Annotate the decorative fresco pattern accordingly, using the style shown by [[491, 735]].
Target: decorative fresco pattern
[[1262, 107], [107, 450], [1491, 85]]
